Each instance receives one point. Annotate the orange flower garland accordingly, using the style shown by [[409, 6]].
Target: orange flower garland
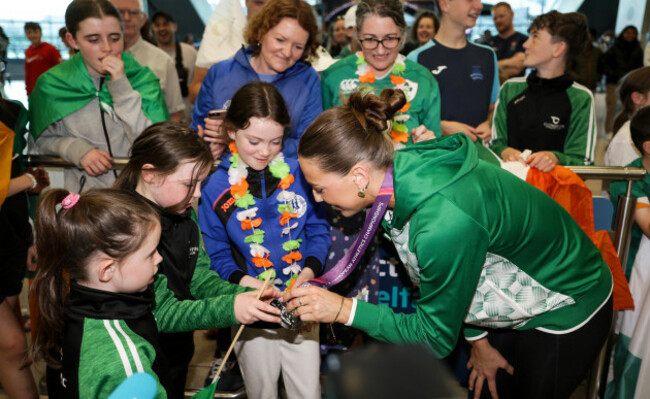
[[239, 189]]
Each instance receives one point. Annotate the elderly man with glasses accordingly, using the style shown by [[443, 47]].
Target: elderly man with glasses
[[150, 56]]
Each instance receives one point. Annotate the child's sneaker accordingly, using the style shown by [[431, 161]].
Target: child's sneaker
[[230, 379]]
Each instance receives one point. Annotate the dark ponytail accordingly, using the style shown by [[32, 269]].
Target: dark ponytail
[[112, 222], [343, 136], [637, 80]]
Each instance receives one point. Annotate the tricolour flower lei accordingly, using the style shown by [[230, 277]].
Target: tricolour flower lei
[[399, 132], [237, 174]]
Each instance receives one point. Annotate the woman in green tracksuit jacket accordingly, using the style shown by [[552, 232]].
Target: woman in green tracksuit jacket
[[490, 253]]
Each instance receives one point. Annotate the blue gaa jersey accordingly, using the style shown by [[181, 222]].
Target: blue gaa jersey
[[467, 79]]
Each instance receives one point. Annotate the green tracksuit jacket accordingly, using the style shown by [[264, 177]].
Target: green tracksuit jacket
[[216, 306], [421, 89], [107, 338], [486, 248], [554, 115]]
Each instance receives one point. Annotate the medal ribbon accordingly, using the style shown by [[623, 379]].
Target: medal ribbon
[[346, 265]]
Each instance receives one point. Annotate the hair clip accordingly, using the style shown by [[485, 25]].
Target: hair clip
[[70, 200]]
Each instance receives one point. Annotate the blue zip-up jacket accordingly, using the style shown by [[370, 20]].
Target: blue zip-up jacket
[[224, 238], [299, 85]]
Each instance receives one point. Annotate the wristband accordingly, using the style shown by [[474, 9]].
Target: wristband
[[34, 182], [339, 312], [352, 312]]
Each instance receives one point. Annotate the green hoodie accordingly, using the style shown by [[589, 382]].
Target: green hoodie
[[68, 87], [486, 248]]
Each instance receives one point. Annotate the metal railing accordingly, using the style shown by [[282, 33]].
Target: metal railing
[[626, 204], [623, 221], [624, 214]]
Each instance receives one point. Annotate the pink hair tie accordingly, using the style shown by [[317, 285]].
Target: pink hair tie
[[70, 200]]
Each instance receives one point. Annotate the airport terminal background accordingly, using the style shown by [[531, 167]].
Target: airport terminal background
[[49, 13]]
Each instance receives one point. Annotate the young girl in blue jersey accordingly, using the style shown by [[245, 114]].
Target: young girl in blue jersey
[[258, 216]]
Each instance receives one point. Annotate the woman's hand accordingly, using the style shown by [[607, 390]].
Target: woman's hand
[[210, 134], [543, 160], [512, 155], [484, 362], [249, 309], [318, 304], [96, 162], [421, 133], [113, 66]]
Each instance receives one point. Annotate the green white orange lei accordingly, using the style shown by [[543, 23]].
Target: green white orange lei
[[237, 174], [399, 131]]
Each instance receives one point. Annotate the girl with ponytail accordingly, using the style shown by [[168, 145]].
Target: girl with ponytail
[[477, 241], [634, 92], [97, 263]]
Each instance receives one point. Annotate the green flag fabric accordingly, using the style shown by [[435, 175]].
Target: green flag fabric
[[207, 392], [629, 379], [68, 87]]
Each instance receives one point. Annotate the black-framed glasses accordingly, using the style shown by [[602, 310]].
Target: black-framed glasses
[[371, 43]]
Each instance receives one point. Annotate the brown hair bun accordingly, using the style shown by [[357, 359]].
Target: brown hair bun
[[375, 110]]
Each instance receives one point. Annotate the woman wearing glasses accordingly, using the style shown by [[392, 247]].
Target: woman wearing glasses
[[381, 32]]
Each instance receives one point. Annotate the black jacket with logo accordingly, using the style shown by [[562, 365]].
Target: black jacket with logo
[[539, 114]]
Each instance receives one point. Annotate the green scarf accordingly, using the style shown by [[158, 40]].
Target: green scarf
[[68, 87]]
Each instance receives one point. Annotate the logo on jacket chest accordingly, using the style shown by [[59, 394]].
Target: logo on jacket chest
[[513, 45], [438, 69], [347, 86], [297, 202], [554, 124], [476, 74], [300, 205], [193, 251]]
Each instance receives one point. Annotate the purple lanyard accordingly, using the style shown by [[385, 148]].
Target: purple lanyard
[[346, 265]]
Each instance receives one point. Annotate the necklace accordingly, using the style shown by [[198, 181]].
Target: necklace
[[399, 131], [239, 189]]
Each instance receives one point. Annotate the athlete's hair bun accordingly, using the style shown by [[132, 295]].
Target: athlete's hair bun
[[374, 112]]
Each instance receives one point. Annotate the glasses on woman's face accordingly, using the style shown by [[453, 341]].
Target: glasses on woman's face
[[371, 43]]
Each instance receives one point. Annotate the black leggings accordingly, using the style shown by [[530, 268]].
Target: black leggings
[[548, 366]]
